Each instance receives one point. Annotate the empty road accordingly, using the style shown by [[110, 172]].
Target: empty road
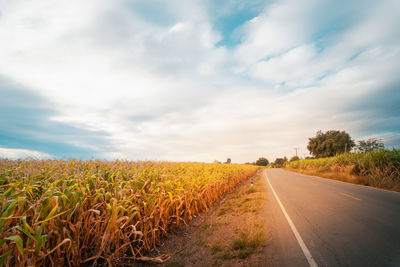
[[323, 222]]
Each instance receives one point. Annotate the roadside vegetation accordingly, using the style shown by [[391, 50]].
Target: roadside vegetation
[[336, 156], [378, 168], [262, 162], [233, 233], [97, 212]]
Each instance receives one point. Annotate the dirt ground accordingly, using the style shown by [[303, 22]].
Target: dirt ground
[[232, 233]]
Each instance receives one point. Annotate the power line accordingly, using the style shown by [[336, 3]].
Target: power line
[[296, 148]]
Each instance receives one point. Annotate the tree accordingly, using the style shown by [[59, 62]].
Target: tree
[[370, 144], [262, 162], [279, 162], [228, 161], [330, 143], [294, 158]]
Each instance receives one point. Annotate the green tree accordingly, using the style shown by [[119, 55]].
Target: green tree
[[262, 162], [370, 144], [294, 158], [279, 162], [330, 143]]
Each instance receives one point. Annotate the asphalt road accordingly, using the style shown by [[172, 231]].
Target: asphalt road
[[340, 224]]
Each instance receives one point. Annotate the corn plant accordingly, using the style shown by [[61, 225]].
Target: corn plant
[[72, 212]]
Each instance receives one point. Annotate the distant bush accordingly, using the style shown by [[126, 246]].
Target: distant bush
[[279, 162], [262, 162]]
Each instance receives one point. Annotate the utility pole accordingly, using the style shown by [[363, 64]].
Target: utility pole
[[296, 148]]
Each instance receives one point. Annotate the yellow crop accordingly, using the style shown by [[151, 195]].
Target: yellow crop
[[87, 212]]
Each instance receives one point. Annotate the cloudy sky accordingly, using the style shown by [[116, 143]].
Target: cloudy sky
[[195, 80]]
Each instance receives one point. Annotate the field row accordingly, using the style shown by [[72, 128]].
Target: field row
[[94, 212]]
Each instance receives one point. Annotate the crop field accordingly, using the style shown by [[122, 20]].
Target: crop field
[[72, 212], [377, 168]]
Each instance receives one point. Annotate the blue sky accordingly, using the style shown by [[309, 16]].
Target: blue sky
[[194, 80]]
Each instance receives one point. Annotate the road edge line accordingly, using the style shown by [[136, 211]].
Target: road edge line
[[303, 246]]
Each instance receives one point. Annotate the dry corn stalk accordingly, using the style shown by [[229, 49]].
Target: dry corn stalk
[[73, 212]]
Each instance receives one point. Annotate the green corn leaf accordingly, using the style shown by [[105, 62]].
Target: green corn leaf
[[9, 208], [18, 241], [9, 191], [40, 243], [50, 218], [7, 212], [25, 232], [27, 226], [5, 256]]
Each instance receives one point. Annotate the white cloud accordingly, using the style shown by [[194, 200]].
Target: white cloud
[[281, 27], [295, 68], [167, 91], [13, 153]]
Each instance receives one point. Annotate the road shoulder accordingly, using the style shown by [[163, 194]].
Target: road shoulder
[[232, 233]]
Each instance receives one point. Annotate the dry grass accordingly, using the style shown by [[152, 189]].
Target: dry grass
[[216, 248], [234, 233], [344, 174], [95, 212], [251, 237], [249, 241]]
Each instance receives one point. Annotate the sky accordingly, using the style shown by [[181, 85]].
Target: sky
[[195, 80]]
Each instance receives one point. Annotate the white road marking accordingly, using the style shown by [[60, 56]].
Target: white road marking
[[353, 197], [303, 246]]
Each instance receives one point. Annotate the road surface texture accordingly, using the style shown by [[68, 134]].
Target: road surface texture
[[323, 222]]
